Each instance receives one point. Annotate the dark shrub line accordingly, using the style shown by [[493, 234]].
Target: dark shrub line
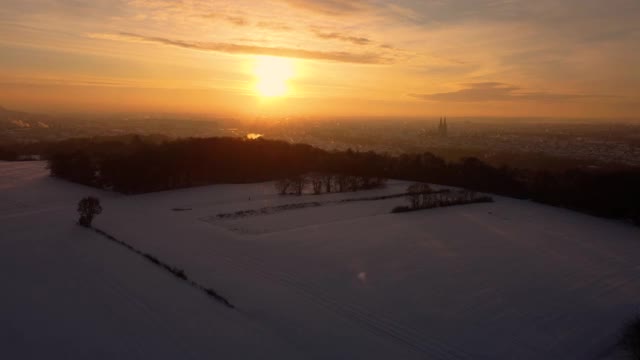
[[449, 198], [267, 210], [392, 196], [325, 183], [177, 272], [401, 209], [274, 209], [152, 259]]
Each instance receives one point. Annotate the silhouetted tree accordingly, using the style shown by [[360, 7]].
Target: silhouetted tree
[[418, 195], [282, 186], [328, 182], [88, 208], [297, 184], [316, 183]]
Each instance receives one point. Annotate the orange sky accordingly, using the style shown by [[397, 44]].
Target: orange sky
[[407, 58]]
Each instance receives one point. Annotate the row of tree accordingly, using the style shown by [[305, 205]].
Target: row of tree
[[137, 166], [422, 196], [324, 183]]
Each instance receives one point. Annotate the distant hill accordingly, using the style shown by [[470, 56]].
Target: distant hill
[[15, 120], [25, 127]]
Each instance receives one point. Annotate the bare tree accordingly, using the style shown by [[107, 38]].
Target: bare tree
[[353, 183], [316, 182], [88, 208], [282, 186], [297, 183], [419, 194], [328, 182], [341, 182], [413, 195]]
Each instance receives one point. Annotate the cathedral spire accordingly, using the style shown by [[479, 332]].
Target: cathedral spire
[[442, 127]]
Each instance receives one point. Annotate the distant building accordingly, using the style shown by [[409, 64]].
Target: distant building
[[443, 129]]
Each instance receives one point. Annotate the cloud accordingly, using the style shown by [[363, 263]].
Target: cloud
[[272, 25], [341, 37], [498, 92], [331, 7], [236, 20], [239, 20], [66, 8], [233, 19], [231, 48]]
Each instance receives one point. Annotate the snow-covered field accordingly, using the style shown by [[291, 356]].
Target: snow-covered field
[[507, 280]]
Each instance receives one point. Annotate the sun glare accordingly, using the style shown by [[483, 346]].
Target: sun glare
[[272, 74]]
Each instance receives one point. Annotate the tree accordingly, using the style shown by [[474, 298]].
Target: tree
[[341, 182], [282, 186], [297, 183], [316, 183], [88, 208], [418, 195], [413, 195], [328, 182]]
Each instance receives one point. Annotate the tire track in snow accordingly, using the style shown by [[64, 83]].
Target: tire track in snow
[[127, 296], [377, 324], [588, 268]]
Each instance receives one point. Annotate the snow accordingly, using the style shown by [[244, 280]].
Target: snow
[[504, 280]]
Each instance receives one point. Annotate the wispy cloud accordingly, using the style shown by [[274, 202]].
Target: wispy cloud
[[273, 25], [331, 7], [357, 40], [231, 48], [577, 55], [498, 92], [233, 19]]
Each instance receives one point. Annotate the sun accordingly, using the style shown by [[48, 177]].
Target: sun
[[272, 75]]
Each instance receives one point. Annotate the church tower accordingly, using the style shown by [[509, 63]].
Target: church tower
[[442, 127], [445, 128]]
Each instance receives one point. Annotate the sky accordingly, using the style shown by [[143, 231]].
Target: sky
[[562, 58]]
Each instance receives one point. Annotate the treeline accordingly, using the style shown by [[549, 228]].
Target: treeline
[[8, 154], [20, 151], [136, 166], [421, 196], [325, 183], [139, 166]]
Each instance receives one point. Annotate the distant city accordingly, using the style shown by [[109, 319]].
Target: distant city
[[508, 140]]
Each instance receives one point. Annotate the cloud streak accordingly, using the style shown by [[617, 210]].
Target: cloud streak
[[341, 37], [273, 25], [231, 48], [330, 7], [498, 92], [233, 19]]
